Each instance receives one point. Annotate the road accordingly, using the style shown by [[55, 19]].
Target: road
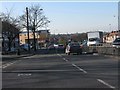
[[61, 71]]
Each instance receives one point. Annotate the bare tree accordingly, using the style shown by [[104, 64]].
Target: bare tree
[[36, 20], [10, 27]]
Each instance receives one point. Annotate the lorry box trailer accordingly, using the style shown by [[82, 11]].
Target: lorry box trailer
[[94, 38]]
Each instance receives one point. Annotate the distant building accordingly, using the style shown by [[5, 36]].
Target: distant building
[[110, 37], [41, 36]]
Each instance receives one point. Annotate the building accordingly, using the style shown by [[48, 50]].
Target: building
[[41, 37], [110, 37]]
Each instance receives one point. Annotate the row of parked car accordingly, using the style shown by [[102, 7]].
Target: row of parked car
[[73, 47]]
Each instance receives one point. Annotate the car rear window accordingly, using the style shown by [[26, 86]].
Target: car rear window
[[117, 40], [74, 44]]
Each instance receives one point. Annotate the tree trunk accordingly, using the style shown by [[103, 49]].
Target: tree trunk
[[34, 40]]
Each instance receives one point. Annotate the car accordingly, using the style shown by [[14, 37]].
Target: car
[[25, 47], [116, 42], [60, 47], [51, 47], [73, 47]]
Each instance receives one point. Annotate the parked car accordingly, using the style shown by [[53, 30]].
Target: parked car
[[116, 42], [73, 47], [60, 47], [25, 47], [51, 47]]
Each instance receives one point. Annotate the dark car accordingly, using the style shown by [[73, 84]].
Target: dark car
[[51, 47], [73, 47], [60, 47], [116, 42], [25, 47]]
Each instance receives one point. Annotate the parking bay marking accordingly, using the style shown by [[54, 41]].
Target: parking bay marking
[[79, 68], [9, 64], [103, 82]]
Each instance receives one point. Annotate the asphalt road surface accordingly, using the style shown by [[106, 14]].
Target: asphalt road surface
[[61, 71]]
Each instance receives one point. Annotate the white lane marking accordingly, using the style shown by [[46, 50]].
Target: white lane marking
[[8, 64], [33, 71], [103, 82], [74, 65], [95, 54], [79, 68], [59, 55], [63, 58], [21, 74], [66, 60]]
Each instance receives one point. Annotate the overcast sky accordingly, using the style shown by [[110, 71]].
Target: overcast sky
[[72, 17]]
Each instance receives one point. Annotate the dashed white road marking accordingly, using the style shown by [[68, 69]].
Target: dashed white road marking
[[73, 64], [65, 59], [79, 68], [103, 82], [59, 55]]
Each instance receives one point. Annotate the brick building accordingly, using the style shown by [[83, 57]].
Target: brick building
[[41, 37]]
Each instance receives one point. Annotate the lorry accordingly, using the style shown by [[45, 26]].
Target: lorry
[[95, 38]]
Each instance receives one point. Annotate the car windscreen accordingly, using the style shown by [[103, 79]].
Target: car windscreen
[[93, 39]]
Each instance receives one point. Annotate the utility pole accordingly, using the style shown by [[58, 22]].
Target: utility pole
[[28, 29], [34, 36]]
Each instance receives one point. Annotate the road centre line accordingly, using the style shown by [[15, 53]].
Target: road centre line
[[103, 82], [73, 64], [79, 68], [65, 59]]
